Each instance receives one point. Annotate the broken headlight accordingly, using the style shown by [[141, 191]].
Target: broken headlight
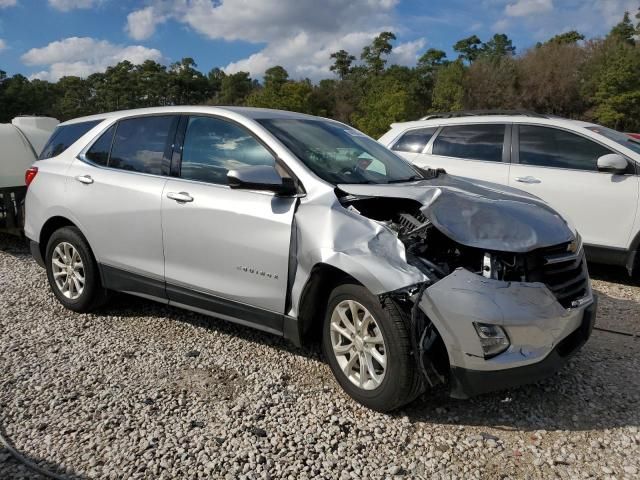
[[493, 338]]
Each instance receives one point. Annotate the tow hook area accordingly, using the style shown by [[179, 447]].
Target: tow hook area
[[427, 346]]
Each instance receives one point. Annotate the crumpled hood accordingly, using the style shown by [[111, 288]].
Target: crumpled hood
[[479, 214]]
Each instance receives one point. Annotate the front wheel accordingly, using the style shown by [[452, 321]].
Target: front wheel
[[368, 349], [73, 272]]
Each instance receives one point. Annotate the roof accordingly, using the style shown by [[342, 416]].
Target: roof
[[248, 112], [475, 113], [498, 117]]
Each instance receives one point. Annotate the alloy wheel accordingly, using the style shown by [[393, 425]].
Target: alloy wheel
[[358, 344], [68, 270]]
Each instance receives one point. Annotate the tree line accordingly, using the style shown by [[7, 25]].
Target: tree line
[[568, 75]]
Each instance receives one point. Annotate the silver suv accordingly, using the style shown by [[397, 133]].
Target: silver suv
[[308, 229]]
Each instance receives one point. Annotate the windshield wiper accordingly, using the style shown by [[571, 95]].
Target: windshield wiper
[[409, 179]]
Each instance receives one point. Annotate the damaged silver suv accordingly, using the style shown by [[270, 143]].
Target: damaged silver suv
[[307, 228]]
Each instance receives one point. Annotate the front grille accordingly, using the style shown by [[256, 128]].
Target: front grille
[[562, 271]]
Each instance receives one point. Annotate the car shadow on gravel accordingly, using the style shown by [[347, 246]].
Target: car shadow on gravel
[[10, 467], [613, 274], [577, 398], [13, 245], [124, 305]]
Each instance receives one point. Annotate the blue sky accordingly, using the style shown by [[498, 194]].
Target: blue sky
[[50, 38]]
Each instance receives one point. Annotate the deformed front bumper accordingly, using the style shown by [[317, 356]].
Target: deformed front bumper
[[542, 333], [465, 383]]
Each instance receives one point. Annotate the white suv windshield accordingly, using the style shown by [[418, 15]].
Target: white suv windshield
[[339, 154], [618, 137]]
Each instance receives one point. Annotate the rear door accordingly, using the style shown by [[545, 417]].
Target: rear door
[[413, 142], [560, 167], [226, 250], [471, 150], [114, 190]]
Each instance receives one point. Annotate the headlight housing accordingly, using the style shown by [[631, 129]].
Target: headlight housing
[[493, 338]]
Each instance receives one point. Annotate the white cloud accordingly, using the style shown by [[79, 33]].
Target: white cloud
[[82, 56], [408, 53], [66, 5], [8, 3], [541, 19], [3, 44], [298, 34], [141, 24], [523, 8]]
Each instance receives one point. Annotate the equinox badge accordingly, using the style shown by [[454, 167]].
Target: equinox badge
[[255, 271]]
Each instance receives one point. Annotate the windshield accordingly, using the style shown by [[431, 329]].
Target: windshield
[[340, 154], [618, 137]]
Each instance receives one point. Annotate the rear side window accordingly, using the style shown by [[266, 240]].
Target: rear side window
[[212, 147], [475, 142], [64, 136], [414, 141], [140, 144], [99, 151], [551, 147]]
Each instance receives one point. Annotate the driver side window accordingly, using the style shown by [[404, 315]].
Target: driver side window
[[552, 147], [213, 146]]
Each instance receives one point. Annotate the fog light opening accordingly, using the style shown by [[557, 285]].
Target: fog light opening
[[493, 338]]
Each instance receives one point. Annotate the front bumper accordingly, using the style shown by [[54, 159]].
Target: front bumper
[[542, 332], [466, 383]]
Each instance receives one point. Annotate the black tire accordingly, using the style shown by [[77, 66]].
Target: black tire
[[93, 294], [402, 382]]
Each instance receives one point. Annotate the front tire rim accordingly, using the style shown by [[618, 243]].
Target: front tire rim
[[68, 270], [358, 345]]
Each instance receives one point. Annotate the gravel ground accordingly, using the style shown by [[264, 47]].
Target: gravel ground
[[146, 391]]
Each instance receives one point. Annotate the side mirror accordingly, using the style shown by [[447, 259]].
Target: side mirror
[[261, 177], [612, 163]]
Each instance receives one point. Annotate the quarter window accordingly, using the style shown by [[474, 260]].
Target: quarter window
[[552, 147], [414, 141], [140, 144], [212, 147], [99, 151], [65, 136], [476, 142]]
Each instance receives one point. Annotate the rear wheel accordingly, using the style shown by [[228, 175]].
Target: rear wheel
[[72, 271], [368, 349]]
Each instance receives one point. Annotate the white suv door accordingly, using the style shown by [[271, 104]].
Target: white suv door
[[114, 192], [225, 249], [560, 167], [471, 150]]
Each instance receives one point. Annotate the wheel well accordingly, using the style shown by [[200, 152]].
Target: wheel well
[[315, 296], [50, 226]]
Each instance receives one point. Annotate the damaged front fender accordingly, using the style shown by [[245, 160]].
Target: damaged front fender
[[327, 233]]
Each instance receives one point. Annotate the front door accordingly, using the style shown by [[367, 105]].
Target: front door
[[226, 250], [561, 168]]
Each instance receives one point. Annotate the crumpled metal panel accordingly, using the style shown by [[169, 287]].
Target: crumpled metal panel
[[480, 214], [365, 249], [530, 314]]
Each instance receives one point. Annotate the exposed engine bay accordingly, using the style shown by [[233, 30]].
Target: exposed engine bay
[[430, 250]]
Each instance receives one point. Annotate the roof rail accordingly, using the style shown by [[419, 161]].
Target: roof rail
[[474, 113]]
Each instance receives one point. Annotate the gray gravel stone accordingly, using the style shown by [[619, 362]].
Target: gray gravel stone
[[120, 394]]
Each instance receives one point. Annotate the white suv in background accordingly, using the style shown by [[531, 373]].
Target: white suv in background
[[587, 172]]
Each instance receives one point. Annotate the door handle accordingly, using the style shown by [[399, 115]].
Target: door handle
[[181, 197], [86, 179], [528, 180]]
